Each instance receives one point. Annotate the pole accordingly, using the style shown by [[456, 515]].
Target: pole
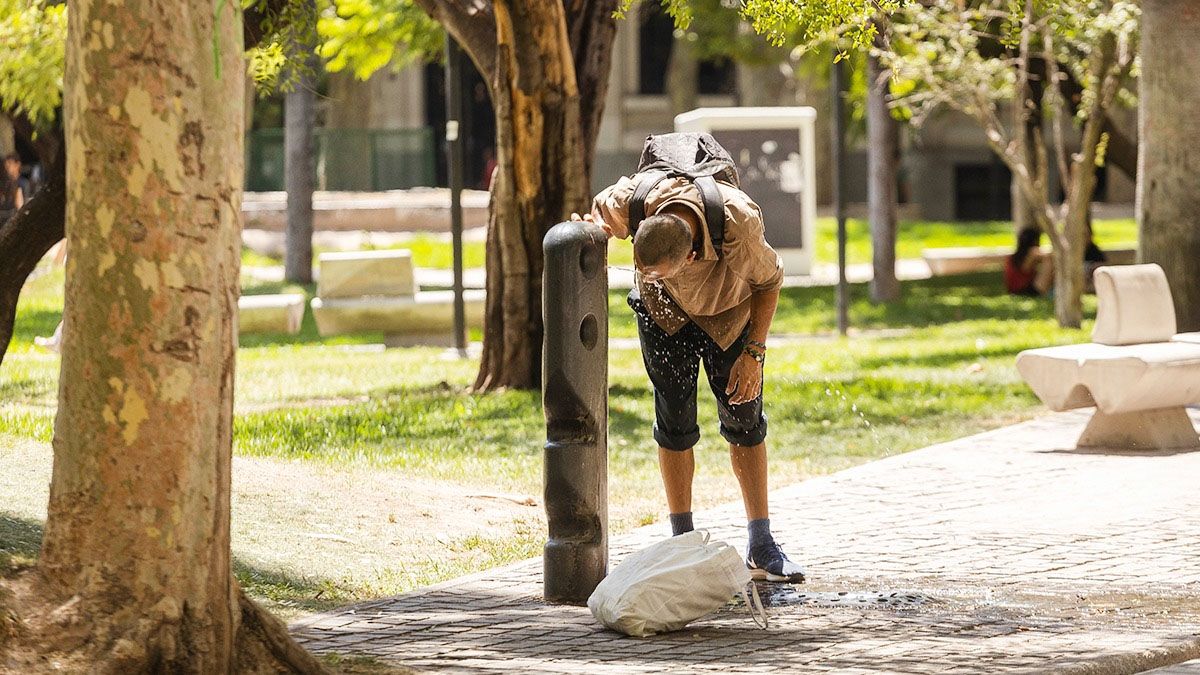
[[838, 86], [575, 401], [455, 159]]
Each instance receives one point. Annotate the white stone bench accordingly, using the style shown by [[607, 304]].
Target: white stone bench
[[962, 260], [280, 313], [426, 313], [1136, 372], [375, 291]]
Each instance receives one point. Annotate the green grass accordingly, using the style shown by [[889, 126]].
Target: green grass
[[944, 371], [913, 236]]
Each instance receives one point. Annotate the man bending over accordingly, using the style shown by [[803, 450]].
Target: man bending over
[[697, 304]]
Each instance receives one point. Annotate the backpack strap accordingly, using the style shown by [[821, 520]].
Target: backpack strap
[[637, 203], [714, 210]]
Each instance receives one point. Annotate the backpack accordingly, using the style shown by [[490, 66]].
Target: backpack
[[695, 156], [671, 583]]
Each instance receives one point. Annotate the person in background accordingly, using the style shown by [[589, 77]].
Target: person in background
[[1028, 271], [12, 193]]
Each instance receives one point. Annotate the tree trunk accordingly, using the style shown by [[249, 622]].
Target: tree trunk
[[1169, 158], [136, 548], [299, 177], [683, 72], [592, 29], [547, 70], [882, 152], [542, 179], [1068, 283]]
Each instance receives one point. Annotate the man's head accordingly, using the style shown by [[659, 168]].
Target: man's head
[[12, 165], [662, 246]]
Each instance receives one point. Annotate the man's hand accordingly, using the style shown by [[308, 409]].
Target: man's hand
[[745, 380], [594, 218]]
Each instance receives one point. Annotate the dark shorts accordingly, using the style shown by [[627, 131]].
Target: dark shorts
[[673, 363]]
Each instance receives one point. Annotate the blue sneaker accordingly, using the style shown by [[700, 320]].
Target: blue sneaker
[[770, 563]]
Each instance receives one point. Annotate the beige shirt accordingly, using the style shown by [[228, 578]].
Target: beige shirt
[[713, 292]]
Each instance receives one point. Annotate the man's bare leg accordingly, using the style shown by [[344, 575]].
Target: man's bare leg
[[766, 559], [677, 467], [750, 467]]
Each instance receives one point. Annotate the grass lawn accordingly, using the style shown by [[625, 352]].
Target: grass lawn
[[913, 236], [356, 462]]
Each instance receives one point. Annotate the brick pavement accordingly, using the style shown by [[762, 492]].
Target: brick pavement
[[1003, 552]]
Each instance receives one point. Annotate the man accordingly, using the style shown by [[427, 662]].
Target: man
[[694, 305]]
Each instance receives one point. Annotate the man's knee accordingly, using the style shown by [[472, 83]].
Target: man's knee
[[676, 440], [743, 432]]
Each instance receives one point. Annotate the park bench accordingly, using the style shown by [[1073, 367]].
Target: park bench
[[278, 313], [963, 260], [376, 291], [1136, 371]]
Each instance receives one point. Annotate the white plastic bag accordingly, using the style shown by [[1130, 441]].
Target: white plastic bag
[[668, 585]]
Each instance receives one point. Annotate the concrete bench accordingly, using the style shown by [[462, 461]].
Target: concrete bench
[[280, 313], [963, 260], [375, 291], [353, 274], [1136, 372]]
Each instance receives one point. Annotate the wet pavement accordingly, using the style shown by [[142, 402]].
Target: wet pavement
[[1009, 551]]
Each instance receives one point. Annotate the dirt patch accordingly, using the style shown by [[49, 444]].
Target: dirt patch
[[307, 537]]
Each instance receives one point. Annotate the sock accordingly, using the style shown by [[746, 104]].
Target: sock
[[681, 523], [760, 533]]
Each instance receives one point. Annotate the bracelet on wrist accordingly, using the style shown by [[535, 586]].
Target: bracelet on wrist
[[756, 354]]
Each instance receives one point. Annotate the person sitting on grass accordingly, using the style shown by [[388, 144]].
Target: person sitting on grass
[[694, 305], [1028, 271]]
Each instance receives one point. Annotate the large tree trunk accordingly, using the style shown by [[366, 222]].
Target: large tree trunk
[[1168, 203], [882, 155], [547, 69], [542, 179], [136, 549]]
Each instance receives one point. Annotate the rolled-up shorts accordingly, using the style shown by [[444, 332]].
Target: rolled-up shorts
[[673, 363]]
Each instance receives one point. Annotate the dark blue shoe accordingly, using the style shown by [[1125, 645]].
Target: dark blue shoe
[[770, 563]]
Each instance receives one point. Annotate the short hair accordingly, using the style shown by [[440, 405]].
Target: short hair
[[662, 237], [12, 157]]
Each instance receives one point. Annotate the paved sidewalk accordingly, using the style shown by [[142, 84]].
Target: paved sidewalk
[[1007, 551]]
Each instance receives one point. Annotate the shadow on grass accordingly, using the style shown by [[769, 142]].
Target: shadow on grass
[[32, 323], [26, 389]]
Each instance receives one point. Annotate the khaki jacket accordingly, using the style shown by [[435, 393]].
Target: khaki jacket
[[713, 292]]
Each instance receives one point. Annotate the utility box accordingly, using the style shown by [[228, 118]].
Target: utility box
[[774, 150]]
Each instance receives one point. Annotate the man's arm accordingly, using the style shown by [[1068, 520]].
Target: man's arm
[[610, 208]]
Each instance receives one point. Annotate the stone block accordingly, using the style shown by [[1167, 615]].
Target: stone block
[[280, 313], [353, 274], [424, 313]]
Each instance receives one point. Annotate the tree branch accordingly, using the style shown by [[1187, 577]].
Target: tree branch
[[26, 237], [472, 24]]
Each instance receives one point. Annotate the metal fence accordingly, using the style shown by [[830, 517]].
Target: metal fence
[[347, 159]]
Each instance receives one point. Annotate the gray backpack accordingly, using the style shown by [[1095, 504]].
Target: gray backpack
[[695, 156]]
